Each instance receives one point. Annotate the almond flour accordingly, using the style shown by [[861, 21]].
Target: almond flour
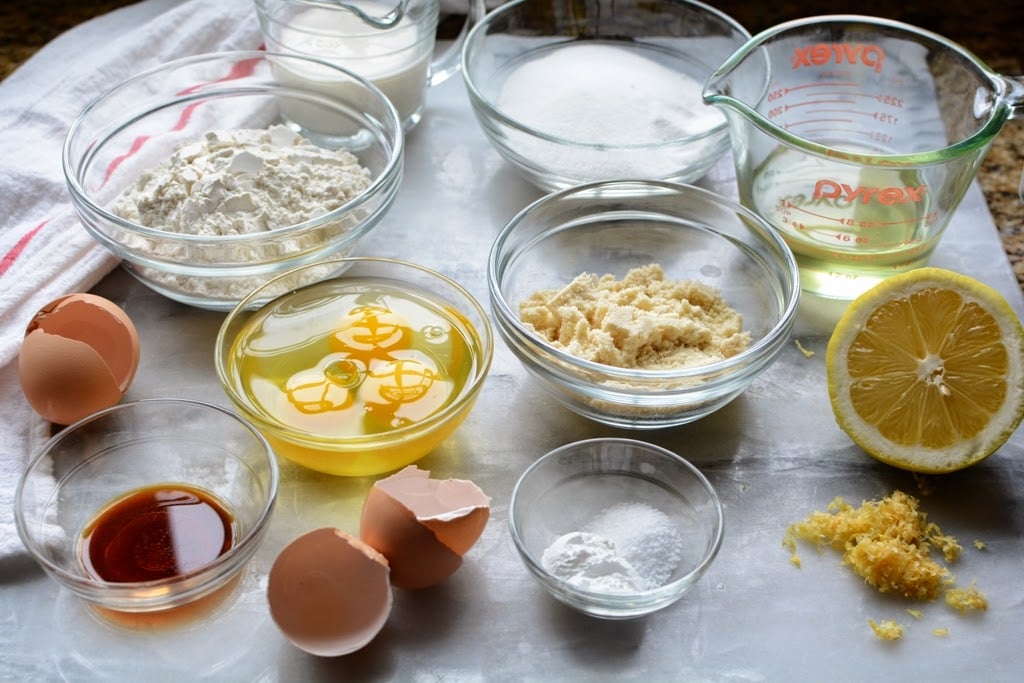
[[642, 321]]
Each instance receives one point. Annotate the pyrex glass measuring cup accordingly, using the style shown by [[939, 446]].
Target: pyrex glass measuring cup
[[388, 42], [857, 137]]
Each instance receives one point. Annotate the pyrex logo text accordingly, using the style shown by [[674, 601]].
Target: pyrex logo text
[[820, 54], [830, 189]]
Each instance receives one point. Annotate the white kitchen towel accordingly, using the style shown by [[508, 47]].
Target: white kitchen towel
[[44, 251]]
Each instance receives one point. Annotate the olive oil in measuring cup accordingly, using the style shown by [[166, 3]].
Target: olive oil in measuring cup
[[847, 225], [856, 138]]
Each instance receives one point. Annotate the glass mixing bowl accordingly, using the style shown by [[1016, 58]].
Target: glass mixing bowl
[[659, 505], [571, 92], [125, 449], [616, 226], [136, 125], [359, 373]]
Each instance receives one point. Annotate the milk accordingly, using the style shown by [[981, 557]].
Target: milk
[[396, 60]]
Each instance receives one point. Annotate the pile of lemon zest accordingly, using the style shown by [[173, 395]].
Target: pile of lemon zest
[[887, 629], [887, 542], [964, 599], [979, 544], [807, 352]]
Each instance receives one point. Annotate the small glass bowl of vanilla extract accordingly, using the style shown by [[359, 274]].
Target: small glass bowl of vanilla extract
[[149, 510]]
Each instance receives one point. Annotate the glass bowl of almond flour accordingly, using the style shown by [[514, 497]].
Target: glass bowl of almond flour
[[642, 304], [571, 92], [212, 174]]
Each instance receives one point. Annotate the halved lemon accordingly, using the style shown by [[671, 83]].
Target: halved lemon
[[926, 371]]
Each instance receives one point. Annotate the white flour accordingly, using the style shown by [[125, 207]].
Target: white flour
[[627, 548], [236, 183], [243, 181]]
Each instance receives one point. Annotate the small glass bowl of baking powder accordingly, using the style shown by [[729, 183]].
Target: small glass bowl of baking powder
[[616, 528], [642, 304], [571, 92], [211, 174]]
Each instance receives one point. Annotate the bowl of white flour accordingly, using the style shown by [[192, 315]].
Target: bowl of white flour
[[212, 174], [570, 93], [615, 528]]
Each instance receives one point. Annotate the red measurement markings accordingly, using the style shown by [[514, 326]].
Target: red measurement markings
[[809, 122], [845, 221]]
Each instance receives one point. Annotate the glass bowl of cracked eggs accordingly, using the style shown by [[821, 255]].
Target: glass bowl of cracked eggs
[[644, 525], [211, 174], [642, 304], [358, 374]]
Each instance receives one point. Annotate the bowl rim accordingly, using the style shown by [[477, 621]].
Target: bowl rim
[[624, 600], [287, 433], [507, 317], [492, 111], [233, 58], [116, 594]]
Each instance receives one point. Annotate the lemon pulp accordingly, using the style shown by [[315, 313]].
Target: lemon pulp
[[925, 371]]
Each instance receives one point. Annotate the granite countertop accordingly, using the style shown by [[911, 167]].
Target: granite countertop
[[993, 35]]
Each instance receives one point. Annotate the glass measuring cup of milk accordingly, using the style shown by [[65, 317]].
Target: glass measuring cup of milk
[[857, 137], [388, 42]]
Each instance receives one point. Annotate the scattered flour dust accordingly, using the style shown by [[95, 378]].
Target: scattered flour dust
[[627, 548], [243, 181], [642, 321]]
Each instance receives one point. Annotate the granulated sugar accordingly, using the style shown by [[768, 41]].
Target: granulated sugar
[[644, 536], [606, 94]]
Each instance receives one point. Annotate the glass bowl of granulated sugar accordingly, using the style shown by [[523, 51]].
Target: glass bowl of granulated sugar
[[212, 174], [616, 528], [570, 93], [642, 304]]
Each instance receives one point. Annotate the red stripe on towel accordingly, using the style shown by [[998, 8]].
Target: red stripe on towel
[[11, 256], [246, 67], [136, 146]]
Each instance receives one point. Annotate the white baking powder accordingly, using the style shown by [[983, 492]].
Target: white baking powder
[[590, 562], [243, 181], [627, 548]]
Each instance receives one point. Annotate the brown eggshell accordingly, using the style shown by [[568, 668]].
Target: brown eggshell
[[329, 592], [423, 525], [79, 355]]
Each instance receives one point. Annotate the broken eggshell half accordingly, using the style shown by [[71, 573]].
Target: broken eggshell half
[[79, 355], [423, 526], [329, 592]]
